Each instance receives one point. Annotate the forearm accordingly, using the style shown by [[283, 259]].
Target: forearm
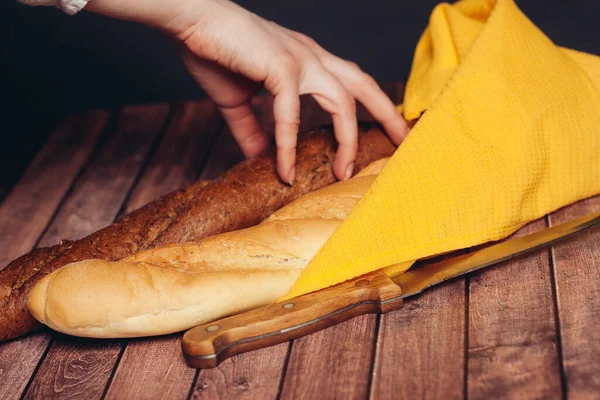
[[171, 16]]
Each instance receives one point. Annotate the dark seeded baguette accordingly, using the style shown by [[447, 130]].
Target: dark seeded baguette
[[241, 197], [128, 235]]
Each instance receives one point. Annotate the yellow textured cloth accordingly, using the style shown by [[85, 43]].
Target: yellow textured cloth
[[511, 132]]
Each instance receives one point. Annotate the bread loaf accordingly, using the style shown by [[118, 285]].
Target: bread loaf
[[241, 197], [175, 287]]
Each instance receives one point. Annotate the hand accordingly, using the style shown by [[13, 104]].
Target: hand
[[231, 53]]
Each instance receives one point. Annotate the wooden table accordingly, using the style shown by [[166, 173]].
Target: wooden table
[[529, 328]]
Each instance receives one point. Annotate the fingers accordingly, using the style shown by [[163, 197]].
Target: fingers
[[231, 53], [363, 88], [335, 99], [245, 129], [231, 93], [286, 111], [311, 77]]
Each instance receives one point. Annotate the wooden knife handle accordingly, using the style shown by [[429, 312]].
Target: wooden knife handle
[[205, 346]]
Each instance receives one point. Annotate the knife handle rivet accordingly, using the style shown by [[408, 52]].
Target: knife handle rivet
[[363, 283], [288, 305], [212, 328]]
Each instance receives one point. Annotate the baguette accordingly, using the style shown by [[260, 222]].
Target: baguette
[[241, 197], [175, 287]]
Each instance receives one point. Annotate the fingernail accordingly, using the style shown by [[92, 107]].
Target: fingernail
[[292, 175], [349, 171]]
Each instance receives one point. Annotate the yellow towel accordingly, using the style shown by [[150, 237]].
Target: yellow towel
[[511, 132]]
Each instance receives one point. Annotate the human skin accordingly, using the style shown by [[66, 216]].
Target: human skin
[[232, 53]]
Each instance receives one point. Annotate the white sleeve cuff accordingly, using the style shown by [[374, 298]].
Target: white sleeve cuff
[[70, 7]]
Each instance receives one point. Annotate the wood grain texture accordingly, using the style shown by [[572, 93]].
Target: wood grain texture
[[15, 158], [93, 203], [323, 367], [156, 365], [259, 382], [577, 279], [25, 214], [347, 348], [18, 360], [420, 352], [255, 375], [181, 154], [152, 366], [100, 191], [30, 205], [512, 344], [224, 155], [416, 352], [74, 368]]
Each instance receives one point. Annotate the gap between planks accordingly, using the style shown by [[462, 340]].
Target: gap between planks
[[74, 366], [244, 377], [576, 269], [134, 177], [232, 378], [25, 214], [149, 366], [336, 362], [139, 370]]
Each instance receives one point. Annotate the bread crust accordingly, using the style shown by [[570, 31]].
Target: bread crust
[[177, 286], [241, 197]]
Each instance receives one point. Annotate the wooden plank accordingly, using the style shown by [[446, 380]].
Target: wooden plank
[[254, 375], [420, 349], [181, 154], [335, 362], [18, 360], [140, 376], [577, 279], [25, 214], [101, 190], [224, 154], [237, 377], [131, 380], [512, 344], [30, 205], [76, 367], [153, 366], [17, 154]]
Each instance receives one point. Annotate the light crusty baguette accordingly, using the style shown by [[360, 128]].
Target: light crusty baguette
[[241, 197], [177, 286]]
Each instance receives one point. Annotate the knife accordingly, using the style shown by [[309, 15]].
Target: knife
[[205, 346]]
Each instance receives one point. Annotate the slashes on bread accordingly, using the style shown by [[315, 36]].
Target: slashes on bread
[[177, 286]]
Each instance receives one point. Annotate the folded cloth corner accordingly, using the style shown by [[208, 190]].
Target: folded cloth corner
[[509, 130]]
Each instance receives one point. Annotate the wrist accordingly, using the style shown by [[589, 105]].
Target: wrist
[[171, 16]]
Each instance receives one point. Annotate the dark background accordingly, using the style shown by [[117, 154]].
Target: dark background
[[53, 64]]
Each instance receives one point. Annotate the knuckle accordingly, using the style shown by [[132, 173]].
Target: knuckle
[[307, 40], [288, 122], [285, 148], [288, 64], [347, 103], [349, 143], [354, 66], [366, 79]]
